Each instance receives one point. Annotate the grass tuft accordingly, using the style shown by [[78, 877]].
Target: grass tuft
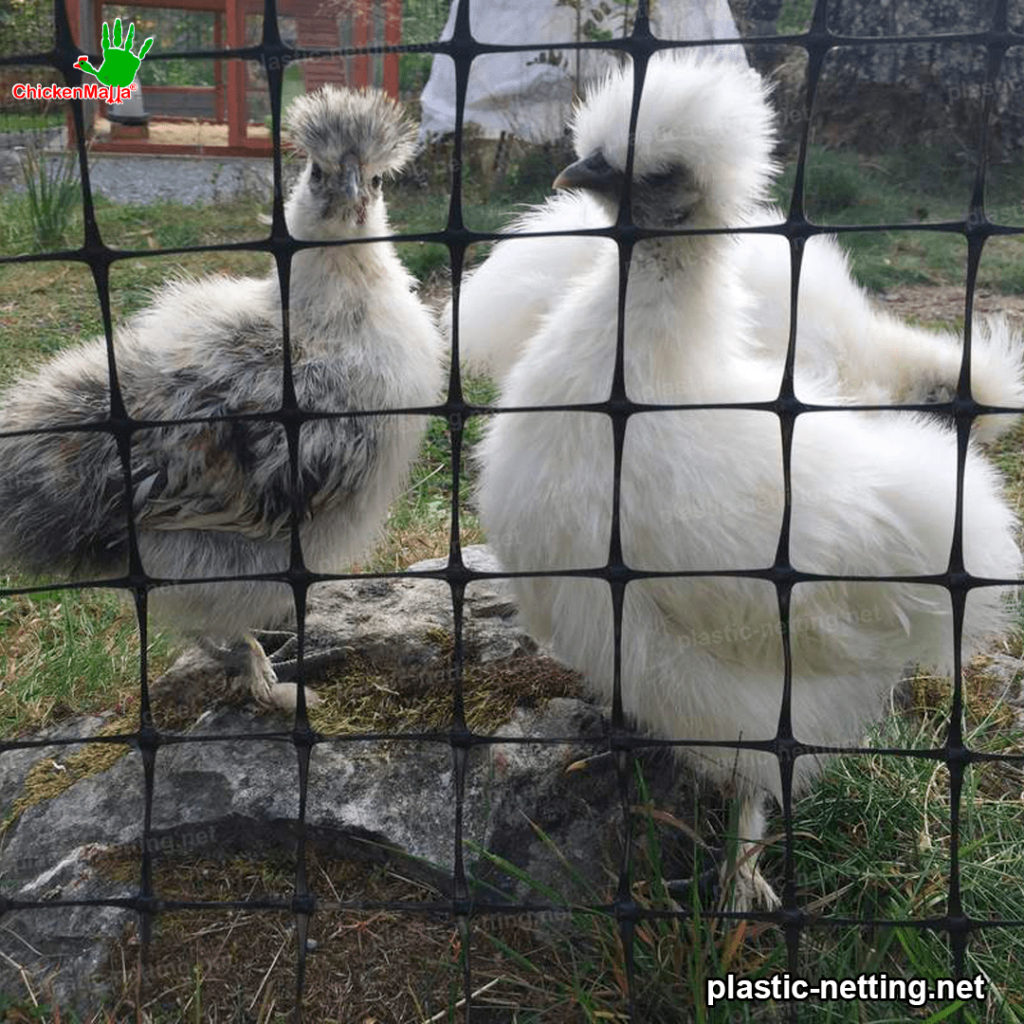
[[52, 192], [67, 652]]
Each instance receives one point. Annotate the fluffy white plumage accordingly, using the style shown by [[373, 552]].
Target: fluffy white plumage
[[702, 490], [215, 498], [873, 357]]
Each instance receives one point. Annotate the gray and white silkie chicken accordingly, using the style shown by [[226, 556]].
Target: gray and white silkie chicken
[[873, 494], [214, 499]]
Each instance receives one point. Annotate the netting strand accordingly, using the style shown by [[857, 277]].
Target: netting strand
[[465, 902]]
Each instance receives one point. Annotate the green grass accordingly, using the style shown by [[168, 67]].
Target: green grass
[[912, 187], [28, 121], [576, 966], [419, 201], [46, 306], [416, 204], [67, 652], [51, 195], [794, 16], [422, 22], [873, 842]]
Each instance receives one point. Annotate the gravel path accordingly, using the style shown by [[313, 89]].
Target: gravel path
[[194, 181]]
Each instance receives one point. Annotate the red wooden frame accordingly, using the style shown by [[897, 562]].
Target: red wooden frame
[[230, 84]]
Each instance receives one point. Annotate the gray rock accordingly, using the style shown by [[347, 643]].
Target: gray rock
[[59, 951], [237, 792], [876, 97], [16, 763], [399, 623], [10, 167]]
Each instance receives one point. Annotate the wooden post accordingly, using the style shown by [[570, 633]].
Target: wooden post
[[235, 16], [360, 38], [392, 37], [74, 12], [219, 99]]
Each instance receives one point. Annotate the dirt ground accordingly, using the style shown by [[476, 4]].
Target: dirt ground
[[945, 303], [184, 133]]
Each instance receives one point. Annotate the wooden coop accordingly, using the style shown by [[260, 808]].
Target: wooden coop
[[230, 116]]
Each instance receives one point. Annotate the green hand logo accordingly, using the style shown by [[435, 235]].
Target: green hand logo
[[119, 65]]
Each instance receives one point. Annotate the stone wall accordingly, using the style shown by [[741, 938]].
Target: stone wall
[[872, 97]]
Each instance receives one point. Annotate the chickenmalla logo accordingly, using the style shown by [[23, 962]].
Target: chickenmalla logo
[[115, 77]]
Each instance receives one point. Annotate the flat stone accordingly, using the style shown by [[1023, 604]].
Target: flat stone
[[232, 788]]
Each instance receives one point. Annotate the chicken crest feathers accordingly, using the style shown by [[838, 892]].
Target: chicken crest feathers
[[332, 123], [713, 116]]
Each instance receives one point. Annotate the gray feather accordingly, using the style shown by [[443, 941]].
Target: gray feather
[[216, 497]]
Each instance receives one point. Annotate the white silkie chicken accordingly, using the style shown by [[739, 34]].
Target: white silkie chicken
[[215, 498], [702, 490], [873, 357]]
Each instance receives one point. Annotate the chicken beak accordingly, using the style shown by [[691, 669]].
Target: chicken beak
[[584, 174], [351, 178]]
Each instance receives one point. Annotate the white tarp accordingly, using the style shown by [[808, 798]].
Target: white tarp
[[530, 93]]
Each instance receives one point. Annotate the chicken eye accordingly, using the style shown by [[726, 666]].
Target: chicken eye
[[597, 164], [376, 181], [316, 173], [659, 180]]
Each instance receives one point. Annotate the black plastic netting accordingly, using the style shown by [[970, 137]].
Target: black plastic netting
[[796, 922]]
